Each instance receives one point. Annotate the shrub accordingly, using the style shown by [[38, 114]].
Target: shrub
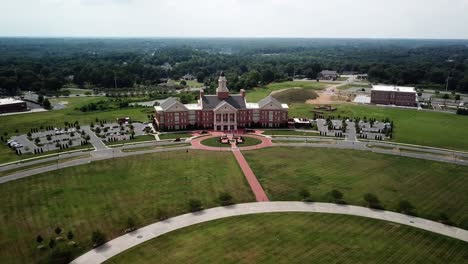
[[39, 239], [406, 207], [161, 214], [195, 205], [337, 195], [444, 219], [304, 194], [98, 238], [225, 199], [130, 224], [58, 230], [60, 256]]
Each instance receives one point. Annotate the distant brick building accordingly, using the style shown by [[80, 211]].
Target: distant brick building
[[221, 112], [393, 95], [327, 75], [10, 105]]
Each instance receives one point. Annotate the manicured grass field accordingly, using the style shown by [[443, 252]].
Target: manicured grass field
[[432, 187], [257, 94], [214, 142], [295, 95], [426, 128], [297, 238], [174, 135], [104, 194], [24, 122]]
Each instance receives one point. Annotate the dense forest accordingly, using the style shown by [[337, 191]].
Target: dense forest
[[45, 65]]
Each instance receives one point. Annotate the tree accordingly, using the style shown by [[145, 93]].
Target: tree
[[183, 82], [457, 97], [40, 99], [60, 256], [195, 205], [445, 96], [225, 199], [98, 238], [47, 104], [39, 239], [37, 140], [58, 230], [304, 194]]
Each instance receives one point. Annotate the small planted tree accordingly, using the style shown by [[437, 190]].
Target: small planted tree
[[305, 195], [130, 225], [195, 205], [70, 235], [98, 238], [372, 201], [52, 243], [225, 199], [406, 207], [337, 196], [161, 214]]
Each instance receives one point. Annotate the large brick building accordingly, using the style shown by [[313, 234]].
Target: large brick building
[[221, 112], [10, 105], [393, 95]]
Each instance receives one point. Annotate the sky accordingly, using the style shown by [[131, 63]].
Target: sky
[[437, 19]]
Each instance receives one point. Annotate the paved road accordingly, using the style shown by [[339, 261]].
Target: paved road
[[95, 140], [122, 243]]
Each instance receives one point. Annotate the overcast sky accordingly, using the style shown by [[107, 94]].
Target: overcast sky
[[236, 18]]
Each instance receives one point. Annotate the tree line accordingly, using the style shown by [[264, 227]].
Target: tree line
[[45, 66]]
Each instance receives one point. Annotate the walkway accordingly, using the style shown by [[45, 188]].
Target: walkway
[[127, 241], [256, 187]]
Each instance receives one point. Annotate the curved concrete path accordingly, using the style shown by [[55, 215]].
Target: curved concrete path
[[122, 243]]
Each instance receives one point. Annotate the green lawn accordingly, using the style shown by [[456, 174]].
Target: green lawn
[[214, 142], [426, 128], [136, 139], [24, 122], [297, 238], [432, 187], [74, 91], [174, 135], [257, 94], [102, 195], [295, 95]]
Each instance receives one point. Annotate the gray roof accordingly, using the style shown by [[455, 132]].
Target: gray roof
[[327, 72], [267, 100], [167, 103], [211, 101]]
